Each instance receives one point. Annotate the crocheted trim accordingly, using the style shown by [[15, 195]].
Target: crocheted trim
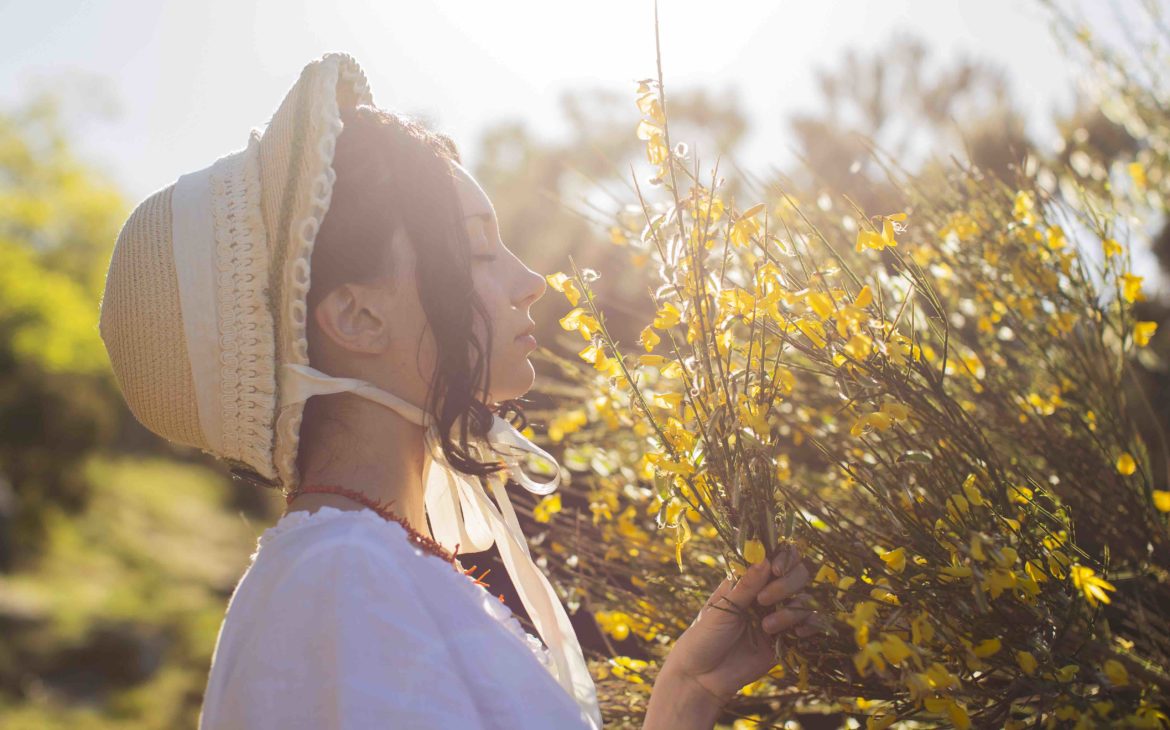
[[342, 70], [246, 339]]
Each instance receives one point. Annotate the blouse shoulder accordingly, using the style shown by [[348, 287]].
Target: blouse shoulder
[[340, 621], [338, 596]]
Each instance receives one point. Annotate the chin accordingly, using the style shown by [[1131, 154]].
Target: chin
[[513, 383]]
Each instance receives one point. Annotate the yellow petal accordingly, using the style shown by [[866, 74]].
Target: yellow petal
[[1131, 287], [821, 303], [753, 551], [1143, 331], [649, 338], [547, 507], [1126, 465], [864, 297], [667, 317], [1138, 172], [648, 130], [1116, 673], [754, 210]]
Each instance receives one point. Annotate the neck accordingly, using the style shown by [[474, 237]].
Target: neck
[[353, 443]]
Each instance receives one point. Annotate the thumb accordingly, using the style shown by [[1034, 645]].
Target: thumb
[[750, 584]]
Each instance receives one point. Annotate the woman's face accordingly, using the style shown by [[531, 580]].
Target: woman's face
[[507, 289], [379, 331]]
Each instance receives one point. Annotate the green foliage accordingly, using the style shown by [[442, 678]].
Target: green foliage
[[47, 319], [58, 401], [115, 624]]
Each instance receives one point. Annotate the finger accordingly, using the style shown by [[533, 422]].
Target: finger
[[720, 592], [785, 586], [785, 560], [749, 584], [815, 624], [785, 618]]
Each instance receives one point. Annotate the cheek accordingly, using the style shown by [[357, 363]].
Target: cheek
[[494, 303]]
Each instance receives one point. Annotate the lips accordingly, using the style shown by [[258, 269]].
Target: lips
[[530, 331]]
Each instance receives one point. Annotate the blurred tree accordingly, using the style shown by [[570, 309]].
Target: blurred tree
[[58, 220], [913, 109]]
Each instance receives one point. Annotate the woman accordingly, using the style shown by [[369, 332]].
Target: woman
[[413, 333]]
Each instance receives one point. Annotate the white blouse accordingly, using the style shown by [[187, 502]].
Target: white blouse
[[341, 622]]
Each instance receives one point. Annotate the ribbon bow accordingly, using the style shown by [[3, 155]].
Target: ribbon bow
[[460, 512]]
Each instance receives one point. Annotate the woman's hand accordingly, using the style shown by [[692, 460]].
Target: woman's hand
[[717, 654]]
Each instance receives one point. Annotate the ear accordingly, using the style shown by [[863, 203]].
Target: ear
[[353, 317]]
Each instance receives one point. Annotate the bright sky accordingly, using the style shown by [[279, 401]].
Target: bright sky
[[191, 78]]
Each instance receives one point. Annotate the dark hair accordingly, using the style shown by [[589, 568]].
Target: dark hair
[[393, 172]]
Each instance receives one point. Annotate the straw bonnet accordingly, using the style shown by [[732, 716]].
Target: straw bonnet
[[204, 317], [200, 311]]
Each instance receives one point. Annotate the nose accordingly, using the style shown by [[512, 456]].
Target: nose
[[531, 288]]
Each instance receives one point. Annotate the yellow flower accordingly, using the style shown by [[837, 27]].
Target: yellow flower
[[669, 401], [876, 421], [878, 241], [956, 712], [708, 209], [864, 297], [1162, 500], [649, 105], [961, 225], [1131, 287], [1138, 172], [743, 231], [1067, 673], [1027, 662], [1116, 673], [821, 303], [649, 338], [895, 559], [656, 151], [1111, 247], [921, 630], [566, 423], [826, 574], [1056, 238], [870, 655], [894, 649], [1090, 584], [989, 647], [1023, 209], [547, 507], [737, 302], [667, 317], [753, 551], [648, 129], [581, 321], [812, 330], [1143, 331], [595, 355], [1126, 465], [628, 669], [859, 347], [879, 722], [562, 283]]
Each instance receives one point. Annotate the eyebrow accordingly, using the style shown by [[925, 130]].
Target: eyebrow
[[485, 216]]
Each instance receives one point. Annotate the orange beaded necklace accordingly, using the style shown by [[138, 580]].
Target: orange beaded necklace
[[383, 510]]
